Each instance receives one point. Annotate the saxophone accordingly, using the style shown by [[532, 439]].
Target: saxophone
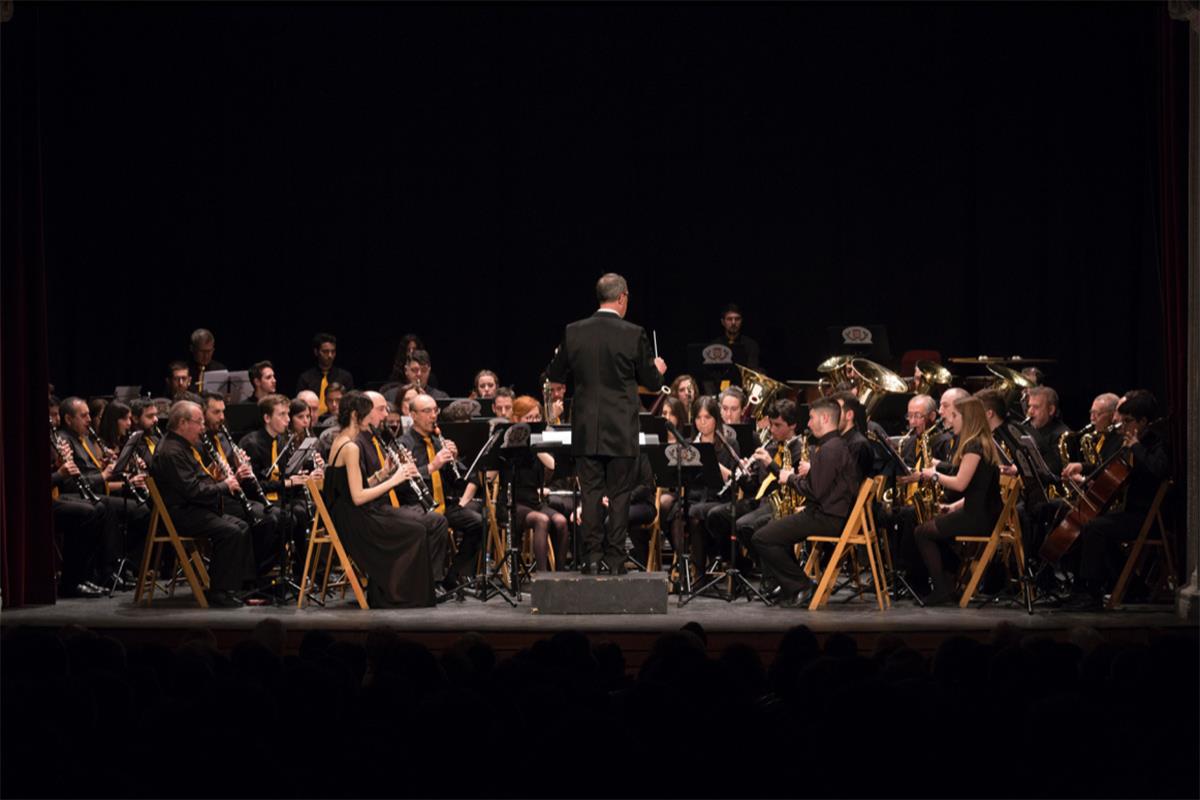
[[925, 497], [1087, 445], [785, 500]]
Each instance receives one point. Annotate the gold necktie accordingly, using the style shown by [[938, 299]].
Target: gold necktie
[[391, 492], [321, 407], [273, 496], [435, 479]]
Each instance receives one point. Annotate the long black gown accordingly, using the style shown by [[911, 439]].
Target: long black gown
[[390, 547]]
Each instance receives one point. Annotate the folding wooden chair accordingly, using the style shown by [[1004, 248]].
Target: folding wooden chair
[[186, 549], [1137, 550], [992, 544], [324, 534], [859, 531]]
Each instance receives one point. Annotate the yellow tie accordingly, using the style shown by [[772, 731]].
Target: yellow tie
[[779, 454], [200, 380], [273, 496], [200, 460], [150, 445], [92, 456], [321, 407], [435, 479], [391, 492]]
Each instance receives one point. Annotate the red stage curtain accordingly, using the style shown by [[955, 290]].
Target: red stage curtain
[[26, 535]]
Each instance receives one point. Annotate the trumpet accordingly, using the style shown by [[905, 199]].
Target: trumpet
[[242, 458], [82, 485]]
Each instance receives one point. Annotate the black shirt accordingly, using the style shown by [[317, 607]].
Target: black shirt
[[1046, 439], [860, 451], [181, 480], [415, 444], [833, 480], [311, 379]]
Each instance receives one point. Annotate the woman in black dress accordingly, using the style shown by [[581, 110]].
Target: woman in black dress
[[385, 543], [975, 472], [532, 510]]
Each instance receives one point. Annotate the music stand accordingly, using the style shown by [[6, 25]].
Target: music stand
[[898, 467], [127, 394], [746, 436], [487, 584], [694, 464]]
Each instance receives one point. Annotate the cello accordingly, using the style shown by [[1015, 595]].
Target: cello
[[1101, 488]]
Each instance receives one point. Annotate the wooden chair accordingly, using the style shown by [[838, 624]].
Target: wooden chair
[[1137, 550], [1000, 541], [324, 534], [187, 554], [859, 531]]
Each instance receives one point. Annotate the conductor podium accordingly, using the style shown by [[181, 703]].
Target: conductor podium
[[573, 593]]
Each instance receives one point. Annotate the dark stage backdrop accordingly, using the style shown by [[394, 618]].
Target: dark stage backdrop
[[979, 178]]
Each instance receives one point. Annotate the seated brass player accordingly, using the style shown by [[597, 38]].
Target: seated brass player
[[196, 502], [1097, 550], [830, 482]]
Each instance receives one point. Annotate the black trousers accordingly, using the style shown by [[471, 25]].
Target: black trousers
[[774, 543], [126, 525], [437, 535], [80, 525], [467, 522], [267, 526], [1099, 547], [232, 549], [599, 477], [640, 517], [716, 521]]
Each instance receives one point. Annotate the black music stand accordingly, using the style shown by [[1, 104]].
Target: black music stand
[[694, 464], [488, 584], [733, 576], [898, 467]]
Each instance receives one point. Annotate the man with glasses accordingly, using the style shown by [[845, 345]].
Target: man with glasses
[[435, 459]]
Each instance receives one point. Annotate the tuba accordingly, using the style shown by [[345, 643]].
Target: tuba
[[1009, 382], [760, 390], [874, 381], [932, 374]]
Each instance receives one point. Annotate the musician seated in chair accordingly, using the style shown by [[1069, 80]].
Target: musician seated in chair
[[1098, 546], [782, 416], [95, 465], [532, 510], [830, 483], [1104, 443], [436, 465], [974, 472], [703, 499], [263, 448], [374, 466], [197, 502]]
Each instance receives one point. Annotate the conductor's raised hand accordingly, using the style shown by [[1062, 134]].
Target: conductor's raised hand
[[660, 365]]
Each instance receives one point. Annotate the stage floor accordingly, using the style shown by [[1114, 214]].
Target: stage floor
[[510, 629]]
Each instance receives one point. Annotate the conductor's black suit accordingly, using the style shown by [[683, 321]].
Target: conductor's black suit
[[606, 358]]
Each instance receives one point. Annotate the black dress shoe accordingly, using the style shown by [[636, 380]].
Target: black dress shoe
[[223, 599], [84, 589], [938, 597], [1082, 601], [799, 599]]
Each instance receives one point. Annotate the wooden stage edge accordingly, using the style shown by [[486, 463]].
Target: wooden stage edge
[[508, 629]]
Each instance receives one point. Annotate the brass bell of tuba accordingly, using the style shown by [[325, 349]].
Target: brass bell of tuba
[[1009, 382], [932, 374], [760, 390], [874, 381]]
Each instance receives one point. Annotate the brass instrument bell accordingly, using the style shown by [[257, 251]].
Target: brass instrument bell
[[1009, 382], [932, 374], [873, 382], [760, 390]]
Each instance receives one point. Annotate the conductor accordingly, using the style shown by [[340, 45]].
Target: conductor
[[607, 358]]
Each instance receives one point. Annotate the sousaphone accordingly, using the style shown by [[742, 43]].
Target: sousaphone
[[760, 390], [873, 382]]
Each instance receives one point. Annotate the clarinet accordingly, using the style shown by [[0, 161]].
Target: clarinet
[[439, 443], [240, 455], [215, 457], [417, 484], [81, 483]]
